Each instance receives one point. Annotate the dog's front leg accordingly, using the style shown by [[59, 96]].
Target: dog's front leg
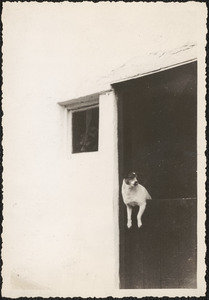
[[129, 212], [140, 213]]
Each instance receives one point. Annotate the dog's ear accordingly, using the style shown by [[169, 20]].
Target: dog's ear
[[127, 181]]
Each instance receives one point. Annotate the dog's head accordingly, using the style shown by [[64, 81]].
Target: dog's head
[[131, 179]]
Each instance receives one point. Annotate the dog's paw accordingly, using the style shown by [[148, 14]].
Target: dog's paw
[[129, 224], [139, 223]]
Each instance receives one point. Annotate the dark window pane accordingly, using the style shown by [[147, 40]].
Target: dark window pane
[[85, 130]]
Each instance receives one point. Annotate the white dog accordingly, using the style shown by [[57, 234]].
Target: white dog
[[134, 194]]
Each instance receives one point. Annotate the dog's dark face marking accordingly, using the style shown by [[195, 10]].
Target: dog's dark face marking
[[131, 179]]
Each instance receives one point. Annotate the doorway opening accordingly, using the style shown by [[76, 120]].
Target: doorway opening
[[157, 124]]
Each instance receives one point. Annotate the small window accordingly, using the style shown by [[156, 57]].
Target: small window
[[85, 128]]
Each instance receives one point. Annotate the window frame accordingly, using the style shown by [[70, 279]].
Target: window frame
[[73, 105]]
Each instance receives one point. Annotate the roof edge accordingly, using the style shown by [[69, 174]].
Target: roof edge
[[152, 72]]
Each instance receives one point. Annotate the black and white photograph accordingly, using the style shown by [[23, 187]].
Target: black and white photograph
[[104, 149]]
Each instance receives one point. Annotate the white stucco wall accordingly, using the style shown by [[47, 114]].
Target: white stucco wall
[[63, 206], [91, 208]]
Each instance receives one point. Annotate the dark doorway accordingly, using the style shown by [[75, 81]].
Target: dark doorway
[[158, 140]]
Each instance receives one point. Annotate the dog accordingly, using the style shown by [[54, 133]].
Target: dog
[[134, 194]]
